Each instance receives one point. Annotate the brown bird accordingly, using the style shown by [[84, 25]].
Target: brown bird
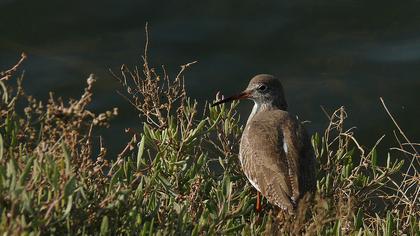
[[275, 151]]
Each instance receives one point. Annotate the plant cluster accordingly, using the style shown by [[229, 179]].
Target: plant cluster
[[180, 174]]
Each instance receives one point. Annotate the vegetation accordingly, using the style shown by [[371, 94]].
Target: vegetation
[[181, 174]]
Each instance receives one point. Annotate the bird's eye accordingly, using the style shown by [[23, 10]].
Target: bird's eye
[[262, 88]]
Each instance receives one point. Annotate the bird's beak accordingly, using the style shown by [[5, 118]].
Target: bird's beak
[[245, 94]]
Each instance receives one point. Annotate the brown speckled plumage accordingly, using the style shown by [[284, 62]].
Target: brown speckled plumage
[[275, 151]]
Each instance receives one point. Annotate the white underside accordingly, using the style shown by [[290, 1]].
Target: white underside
[[254, 184]]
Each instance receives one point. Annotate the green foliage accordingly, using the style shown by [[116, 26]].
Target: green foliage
[[180, 174]]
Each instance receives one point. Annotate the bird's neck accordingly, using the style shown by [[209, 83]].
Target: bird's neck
[[260, 107]]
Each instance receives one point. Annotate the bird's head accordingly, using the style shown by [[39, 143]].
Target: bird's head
[[262, 89]]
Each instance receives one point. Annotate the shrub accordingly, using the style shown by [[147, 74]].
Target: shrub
[[181, 174]]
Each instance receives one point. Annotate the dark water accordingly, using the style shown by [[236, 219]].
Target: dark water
[[327, 53]]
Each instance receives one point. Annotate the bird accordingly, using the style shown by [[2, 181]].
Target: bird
[[275, 151]]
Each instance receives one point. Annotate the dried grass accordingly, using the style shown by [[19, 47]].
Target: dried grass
[[164, 181]]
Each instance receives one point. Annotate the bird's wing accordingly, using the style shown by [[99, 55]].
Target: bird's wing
[[274, 157], [307, 176]]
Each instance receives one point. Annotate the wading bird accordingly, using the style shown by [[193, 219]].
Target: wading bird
[[275, 151]]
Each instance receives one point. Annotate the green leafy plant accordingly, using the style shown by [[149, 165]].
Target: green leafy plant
[[180, 174]]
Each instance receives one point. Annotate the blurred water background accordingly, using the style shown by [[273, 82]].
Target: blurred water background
[[327, 53]]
